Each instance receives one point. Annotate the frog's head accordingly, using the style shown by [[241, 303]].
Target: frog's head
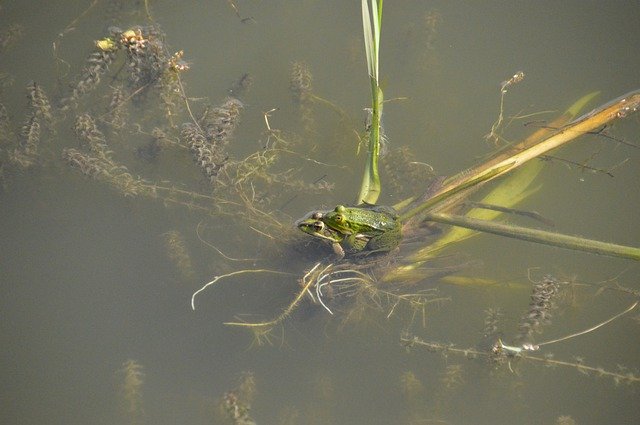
[[312, 224]]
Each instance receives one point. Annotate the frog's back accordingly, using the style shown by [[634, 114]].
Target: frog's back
[[385, 209], [381, 217]]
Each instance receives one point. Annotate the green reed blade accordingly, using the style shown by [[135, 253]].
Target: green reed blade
[[538, 236], [371, 187]]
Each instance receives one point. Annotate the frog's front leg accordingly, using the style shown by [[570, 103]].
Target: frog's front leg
[[338, 250]]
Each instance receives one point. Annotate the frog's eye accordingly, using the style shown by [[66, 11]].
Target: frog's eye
[[318, 226], [340, 209], [317, 215], [339, 218]]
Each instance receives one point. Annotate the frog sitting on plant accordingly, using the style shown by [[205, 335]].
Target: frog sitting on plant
[[355, 231]]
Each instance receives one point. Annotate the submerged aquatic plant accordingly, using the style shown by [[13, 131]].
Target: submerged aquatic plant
[[501, 354], [206, 155], [405, 175], [241, 86], [89, 166], [220, 122], [39, 104], [236, 404], [178, 253], [90, 137], [300, 85], [148, 61], [39, 115], [491, 322], [26, 154], [13, 33], [116, 112], [5, 125], [131, 390], [96, 65], [540, 307]]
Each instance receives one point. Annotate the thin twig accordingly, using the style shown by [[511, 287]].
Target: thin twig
[[218, 250], [217, 278], [593, 328]]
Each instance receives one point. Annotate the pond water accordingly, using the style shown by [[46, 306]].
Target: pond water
[[96, 324]]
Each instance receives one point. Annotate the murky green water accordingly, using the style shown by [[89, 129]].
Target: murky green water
[[86, 283]]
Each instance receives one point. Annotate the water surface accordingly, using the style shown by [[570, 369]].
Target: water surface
[[86, 284]]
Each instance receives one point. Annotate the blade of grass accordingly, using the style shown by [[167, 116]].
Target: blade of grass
[[371, 187], [368, 37]]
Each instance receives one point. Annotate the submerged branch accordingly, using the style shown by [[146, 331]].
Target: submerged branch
[[500, 355]]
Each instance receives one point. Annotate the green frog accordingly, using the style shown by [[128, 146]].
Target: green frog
[[355, 230]]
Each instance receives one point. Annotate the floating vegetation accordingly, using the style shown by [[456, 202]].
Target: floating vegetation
[[104, 169], [149, 66]]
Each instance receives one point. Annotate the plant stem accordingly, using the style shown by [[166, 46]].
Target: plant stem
[[538, 236]]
